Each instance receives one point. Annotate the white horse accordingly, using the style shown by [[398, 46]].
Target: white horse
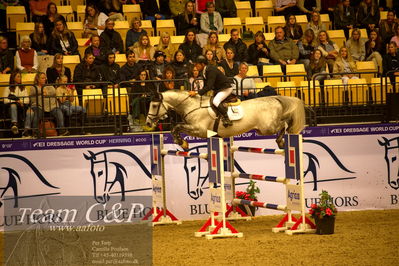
[[267, 115]]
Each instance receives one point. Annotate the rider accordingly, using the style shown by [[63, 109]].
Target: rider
[[214, 80]]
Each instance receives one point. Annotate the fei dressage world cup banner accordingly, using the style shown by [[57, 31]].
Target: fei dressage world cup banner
[[357, 164]]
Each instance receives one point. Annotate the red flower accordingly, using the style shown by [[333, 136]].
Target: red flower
[[313, 206], [328, 212], [311, 211]]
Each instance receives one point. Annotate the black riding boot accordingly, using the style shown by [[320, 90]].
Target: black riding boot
[[223, 114]]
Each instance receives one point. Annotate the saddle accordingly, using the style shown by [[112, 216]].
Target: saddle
[[233, 104]]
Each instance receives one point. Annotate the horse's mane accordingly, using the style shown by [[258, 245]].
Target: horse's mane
[[177, 96]]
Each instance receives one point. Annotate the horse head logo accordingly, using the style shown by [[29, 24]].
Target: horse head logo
[[106, 172], [392, 159], [196, 171]]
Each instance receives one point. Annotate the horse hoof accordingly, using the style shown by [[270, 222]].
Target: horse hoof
[[184, 145]]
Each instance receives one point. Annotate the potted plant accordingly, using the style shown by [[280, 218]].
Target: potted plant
[[324, 214], [250, 194]]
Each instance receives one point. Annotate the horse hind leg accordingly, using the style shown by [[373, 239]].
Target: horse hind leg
[[280, 137]]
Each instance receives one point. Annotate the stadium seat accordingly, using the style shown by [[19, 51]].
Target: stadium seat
[[326, 20], [147, 26], [28, 78], [378, 93], [383, 15], [297, 69], [287, 88], [358, 91], [24, 28], [76, 28], [268, 37], [337, 36], [71, 61], [253, 71], [243, 10], [264, 8], [223, 38], [122, 27], [310, 97], [80, 11], [261, 85], [15, 14], [93, 101], [254, 24], [270, 71], [116, 106], [367, 66], [177, 40], [154, 40], [74, 4], [302, 20], [363, 34], [231, 23], [67, 12], [334, 89], [132, 11], [275, 21], [166, 25], [4, 80], [83, 43], [120, 59]]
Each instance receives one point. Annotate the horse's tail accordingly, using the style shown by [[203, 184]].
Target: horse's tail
[[294, 113]]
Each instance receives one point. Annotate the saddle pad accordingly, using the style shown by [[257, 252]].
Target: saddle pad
[[234, 112]]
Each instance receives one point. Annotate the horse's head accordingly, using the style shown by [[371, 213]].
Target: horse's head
[[157, 110], [392, 159], [99, 172]]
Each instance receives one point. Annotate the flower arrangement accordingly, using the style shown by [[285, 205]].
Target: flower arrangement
[[324, 208], [250, 193]]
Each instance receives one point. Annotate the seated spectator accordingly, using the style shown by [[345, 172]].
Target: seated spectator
[[134, 33], [47, 104], [283, 50], [181, 66], [344, 64], [113, 9], [391, 62], [26, 57], [328, 48], [356, 46], [306, 47], [226, 8], [86, 71], [328, 7], [215, 47], [66, 97], [395, 38], [387, 27], [211, 21], [110, 71], [229, 66], [94, 23], [177, 7], [157, 67], [210, 57], [317, 65], [244, 84], [151, 10], [309, 6], [130, 70], [344, 17], [375, 49], [196, 82], [190, 47], [51, 16], [17, 98], [316, 24], [168, 84], [238, 46], [258, 52], [166, 46], [6, 57], [188, 20], [96, 49], [38, 8], [57, 70], [39, 39], [144, 51], [62, 40], [292, 29], [368, 15], [200, 5], [286, 7], [110, 39]]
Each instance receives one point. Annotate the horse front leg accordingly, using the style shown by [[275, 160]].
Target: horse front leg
[[183, 128]]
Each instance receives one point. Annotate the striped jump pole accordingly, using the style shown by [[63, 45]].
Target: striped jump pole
[[259, 177], [185, 154], [260, 204], [257, 150]]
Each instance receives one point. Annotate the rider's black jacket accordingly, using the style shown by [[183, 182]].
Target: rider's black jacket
[[214, 80]]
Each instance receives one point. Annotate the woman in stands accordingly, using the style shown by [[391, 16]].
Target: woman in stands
[[356, 46], [395, 38], [16, 96], [58, 69], [391, 62], [244, 83], [215, 47], [387, 27], [39, 39], [196, 82], [368, 15], [113, 8], [188, 20], [181, 66], [100, 53], [168, 74], [258, 52], [94, 21], [190, 48], [144, 51], [306, 47], [66, 97], [87, 72], [63, 41], [165, 45], [210, 57], [292, 29], [110, 39], [133, 35], [26, 57], [345, 64], [344, 17], [6, 57], [317, 65], [328, 48], [315, 23], [375, 49], [229, 65], [51, 16]]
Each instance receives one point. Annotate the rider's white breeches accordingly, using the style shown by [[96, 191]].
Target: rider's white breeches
[[221, 95]]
